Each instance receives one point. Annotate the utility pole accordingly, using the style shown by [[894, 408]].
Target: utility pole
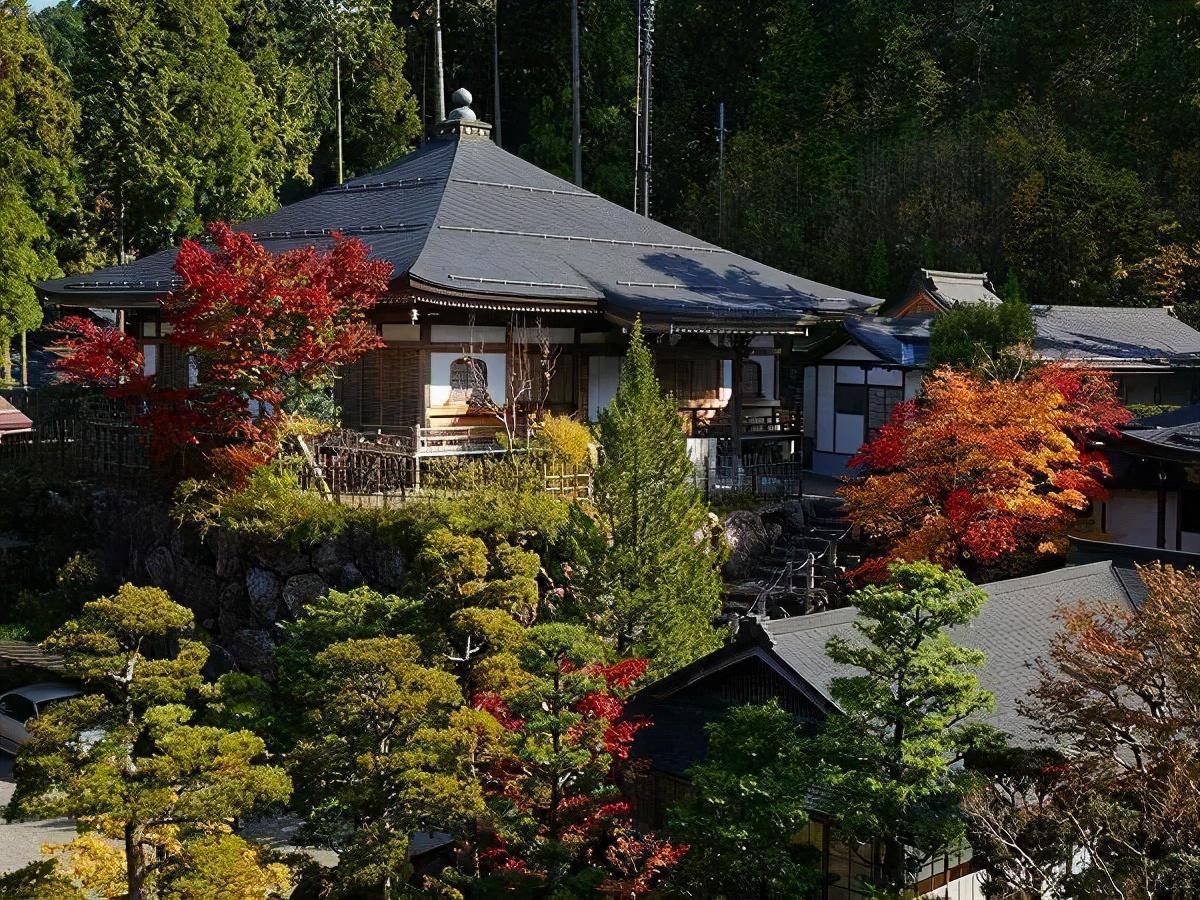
[[439, 84], [337, 68], [637, 112], [576, 131], [496, 72], [721, 174], [647, 103]]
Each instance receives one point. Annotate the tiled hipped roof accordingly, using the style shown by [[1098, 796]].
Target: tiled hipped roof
[[462, 215]]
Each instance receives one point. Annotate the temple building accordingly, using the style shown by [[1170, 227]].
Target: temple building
[[501, 270], [850, 390]]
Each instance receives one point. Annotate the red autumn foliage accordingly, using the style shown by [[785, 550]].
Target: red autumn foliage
[[977, 469], [98, 355], [554, 782], [252, 322]]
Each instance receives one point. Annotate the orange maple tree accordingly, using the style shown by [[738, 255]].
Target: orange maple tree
[[976, 469]]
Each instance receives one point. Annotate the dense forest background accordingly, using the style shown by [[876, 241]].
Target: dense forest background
[[1055, 145]]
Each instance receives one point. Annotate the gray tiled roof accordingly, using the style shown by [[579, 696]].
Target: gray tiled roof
[[466, 216], [1118, 335], [953, 288], [1014, 630], [904, 341], [1110, 337]]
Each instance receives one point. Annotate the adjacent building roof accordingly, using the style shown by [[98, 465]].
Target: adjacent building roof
[[952, 289], [12, 420], [904, 341], [1109, 337], [1175, 434], [1014, 629], [464, 220], [1115, 336]]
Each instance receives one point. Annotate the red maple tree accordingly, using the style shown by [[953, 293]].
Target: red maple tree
[[553, 786], [252, 322], [978, 469]]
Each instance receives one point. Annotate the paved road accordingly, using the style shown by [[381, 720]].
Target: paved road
[[21, 842]]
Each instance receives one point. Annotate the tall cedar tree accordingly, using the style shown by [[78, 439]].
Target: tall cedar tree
[[1121, 690], [256, 324], [977, 470], [750, 799], [557, 823], [655, 589], [179, 130], [390, 751], [889, 757], [38, 123], [154, 795]]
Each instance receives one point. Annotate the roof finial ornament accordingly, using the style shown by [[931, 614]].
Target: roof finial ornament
[[462, 111]]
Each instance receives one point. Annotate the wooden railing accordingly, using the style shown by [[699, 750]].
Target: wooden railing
[[715, 423]]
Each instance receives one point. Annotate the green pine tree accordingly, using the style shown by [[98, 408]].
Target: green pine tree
[[750, 800], [890, 756], [655, 586], [154, 795]]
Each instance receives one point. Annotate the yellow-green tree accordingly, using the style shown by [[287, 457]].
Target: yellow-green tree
[[154, 795]]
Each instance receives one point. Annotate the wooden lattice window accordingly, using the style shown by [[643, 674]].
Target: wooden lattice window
[[381, 390], [468, 381]]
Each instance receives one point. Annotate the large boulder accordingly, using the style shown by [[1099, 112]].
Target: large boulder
[[236, 612], [160, 568], [748, 538], [253, 650], [228, 553], [262, 593], [300, 590]]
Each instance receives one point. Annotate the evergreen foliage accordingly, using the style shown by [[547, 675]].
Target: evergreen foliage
[[972, 335], [154, 794], [390, 751], [890, 757], [751, 799], [38, 122], [654, 588]]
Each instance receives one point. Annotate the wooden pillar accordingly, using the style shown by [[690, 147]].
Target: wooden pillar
[[1161, 537], [740, 345]]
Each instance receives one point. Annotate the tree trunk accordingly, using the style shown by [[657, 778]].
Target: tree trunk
[[893, 864], [6, 359], [24, 358], [135, 868]]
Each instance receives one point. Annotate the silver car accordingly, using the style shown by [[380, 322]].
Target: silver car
[[18, 707]]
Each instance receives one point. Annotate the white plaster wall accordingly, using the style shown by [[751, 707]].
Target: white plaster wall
[[849, 434], [725, 394], [439, 376], [393, 331], [149, 359], [533, 335], [810, 402], [1132, 517], [889, 377], [468, 335], [603, 374], [824, 392]]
